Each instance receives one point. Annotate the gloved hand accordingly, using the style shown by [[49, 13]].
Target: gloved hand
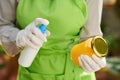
[[31, 36], [91, 64]]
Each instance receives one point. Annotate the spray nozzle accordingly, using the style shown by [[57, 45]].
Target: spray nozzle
[[42, 28]]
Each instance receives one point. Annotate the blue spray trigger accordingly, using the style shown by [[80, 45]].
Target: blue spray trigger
[[42, 28]]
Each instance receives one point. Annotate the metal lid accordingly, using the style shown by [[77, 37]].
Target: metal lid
[[99, 46]]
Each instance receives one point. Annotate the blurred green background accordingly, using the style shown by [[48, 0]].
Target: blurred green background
[[110, 26]]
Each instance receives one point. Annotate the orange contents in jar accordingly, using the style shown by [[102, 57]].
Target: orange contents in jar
[[96, 45], [82, 48]]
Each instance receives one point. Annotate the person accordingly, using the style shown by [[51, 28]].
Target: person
[[70, 21]]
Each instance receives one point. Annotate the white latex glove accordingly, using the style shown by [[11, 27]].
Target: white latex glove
[[91, 64], [31, 36]]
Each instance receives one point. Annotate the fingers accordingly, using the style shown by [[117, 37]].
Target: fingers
[[39, 34], [91, 64], [34, 30], [26, 38], [41, 21], [100, 61], [31, 36], [30, 44], [47, 33], [35, 40], [84, 65], [88, 64]]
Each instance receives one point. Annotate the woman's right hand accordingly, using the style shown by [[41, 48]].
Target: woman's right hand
[[31, 36]]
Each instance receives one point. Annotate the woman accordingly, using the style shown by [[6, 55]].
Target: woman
[[66, 21]]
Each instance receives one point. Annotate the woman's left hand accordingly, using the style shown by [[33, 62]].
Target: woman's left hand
[[91, 64]]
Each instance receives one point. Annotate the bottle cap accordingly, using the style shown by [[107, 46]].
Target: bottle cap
[[42, 28]]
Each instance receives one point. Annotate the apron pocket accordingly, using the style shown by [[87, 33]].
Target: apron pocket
[[60, 77], [35, 76]]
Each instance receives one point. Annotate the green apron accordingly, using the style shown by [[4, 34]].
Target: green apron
[[53, 61]]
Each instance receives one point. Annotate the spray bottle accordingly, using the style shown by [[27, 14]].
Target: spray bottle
[[28, 54]]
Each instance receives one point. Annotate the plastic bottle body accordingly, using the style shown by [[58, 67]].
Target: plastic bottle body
[[28, 54]]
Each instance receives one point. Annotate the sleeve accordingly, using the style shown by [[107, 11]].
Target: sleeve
[[92, 27], [8, 31]]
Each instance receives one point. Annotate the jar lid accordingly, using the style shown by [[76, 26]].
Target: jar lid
[[99, 46]]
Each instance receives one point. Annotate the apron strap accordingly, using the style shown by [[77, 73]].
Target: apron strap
[[69, 69]]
